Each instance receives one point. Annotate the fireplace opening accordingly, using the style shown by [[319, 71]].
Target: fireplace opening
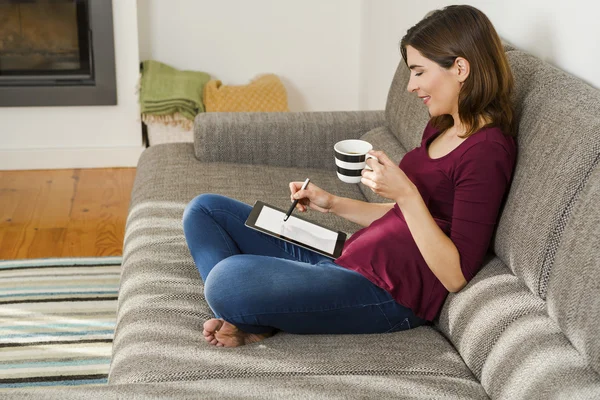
[[56, 52], [42, 40]]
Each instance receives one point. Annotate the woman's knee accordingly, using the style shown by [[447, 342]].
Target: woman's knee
[[203, 203], [224, 286]]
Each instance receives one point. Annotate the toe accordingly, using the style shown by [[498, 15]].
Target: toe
[[213, 324]]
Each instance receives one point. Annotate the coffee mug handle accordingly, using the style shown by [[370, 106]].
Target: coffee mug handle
[[366, 158]]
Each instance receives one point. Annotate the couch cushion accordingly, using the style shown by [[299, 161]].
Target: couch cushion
[[558, 146], [504, 334], [365, 386], [167, 174], [574, 288], [284, 139], [475, 317], [532, 359], [162, 308]]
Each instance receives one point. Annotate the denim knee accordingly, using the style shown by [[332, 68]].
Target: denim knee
[[203, 202], [218, 285]]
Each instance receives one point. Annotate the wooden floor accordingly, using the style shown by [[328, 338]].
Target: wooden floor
[[63, 213]]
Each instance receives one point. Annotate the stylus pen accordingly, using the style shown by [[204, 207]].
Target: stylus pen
[[287, 214]]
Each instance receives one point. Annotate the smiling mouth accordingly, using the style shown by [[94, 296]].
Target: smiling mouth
[[425, 99]]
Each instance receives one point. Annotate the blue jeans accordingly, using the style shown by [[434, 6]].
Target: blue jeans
[[260, 283]]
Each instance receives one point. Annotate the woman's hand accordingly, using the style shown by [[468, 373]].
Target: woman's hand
[[313, 197], [387, 179]]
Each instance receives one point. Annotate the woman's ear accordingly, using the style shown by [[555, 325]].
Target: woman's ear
[[462, 68]]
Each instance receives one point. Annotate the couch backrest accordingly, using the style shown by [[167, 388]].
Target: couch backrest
[[573, 295], [547, 236], [558, 146]]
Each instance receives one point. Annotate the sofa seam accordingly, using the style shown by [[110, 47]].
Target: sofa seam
[[557, 233]]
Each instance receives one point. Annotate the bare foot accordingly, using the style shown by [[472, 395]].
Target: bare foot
[[223, 334]]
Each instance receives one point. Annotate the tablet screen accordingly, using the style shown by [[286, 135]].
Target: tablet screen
[[297, 229]]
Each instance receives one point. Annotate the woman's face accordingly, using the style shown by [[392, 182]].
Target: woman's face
[[436, 86]]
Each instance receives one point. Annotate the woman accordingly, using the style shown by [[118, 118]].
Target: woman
[[395, 273]]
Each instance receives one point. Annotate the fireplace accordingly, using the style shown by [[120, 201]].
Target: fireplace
[[56, 53]]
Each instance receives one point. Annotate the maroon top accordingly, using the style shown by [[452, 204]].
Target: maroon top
[[463, 191]]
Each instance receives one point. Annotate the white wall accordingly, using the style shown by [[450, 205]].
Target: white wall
[[342, 54], [331, 55], [81, 137], [312, 45], [564, 33]]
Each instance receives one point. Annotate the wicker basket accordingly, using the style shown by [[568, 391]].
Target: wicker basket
[[161, 133]]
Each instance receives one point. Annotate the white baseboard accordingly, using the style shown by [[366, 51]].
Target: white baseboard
[[99, 157]]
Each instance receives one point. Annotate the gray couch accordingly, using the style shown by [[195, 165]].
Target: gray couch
[[526, 327]]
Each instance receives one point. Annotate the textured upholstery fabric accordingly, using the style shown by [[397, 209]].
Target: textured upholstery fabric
[[505, 336], [574, 288], [182, 177], [532, 359], [474, 318], [298, 139], [507, 46], [329, 387], [500, 336], [558, 141], [559, 145], [162, 307]]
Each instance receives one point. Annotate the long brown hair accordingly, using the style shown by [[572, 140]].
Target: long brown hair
[[464, 31]]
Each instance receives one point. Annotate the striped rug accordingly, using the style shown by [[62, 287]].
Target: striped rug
[[57, 320]]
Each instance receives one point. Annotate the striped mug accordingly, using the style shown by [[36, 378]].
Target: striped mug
[[350, 159]]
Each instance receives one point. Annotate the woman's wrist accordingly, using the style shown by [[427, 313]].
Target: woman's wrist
[[333, 201], [409, 198]]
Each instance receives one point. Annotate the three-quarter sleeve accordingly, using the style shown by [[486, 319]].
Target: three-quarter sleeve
[[481, 178]]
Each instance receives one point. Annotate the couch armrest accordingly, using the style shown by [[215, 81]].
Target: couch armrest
[[286, 139]]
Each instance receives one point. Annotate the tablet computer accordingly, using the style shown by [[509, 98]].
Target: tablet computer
[[296, 230]]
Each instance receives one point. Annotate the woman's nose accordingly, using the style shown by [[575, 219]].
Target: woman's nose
[[411, 87]]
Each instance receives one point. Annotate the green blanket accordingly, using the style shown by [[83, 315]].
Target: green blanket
[[165, 90]]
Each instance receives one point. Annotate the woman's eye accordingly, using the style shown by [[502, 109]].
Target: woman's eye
[[419, 74]]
